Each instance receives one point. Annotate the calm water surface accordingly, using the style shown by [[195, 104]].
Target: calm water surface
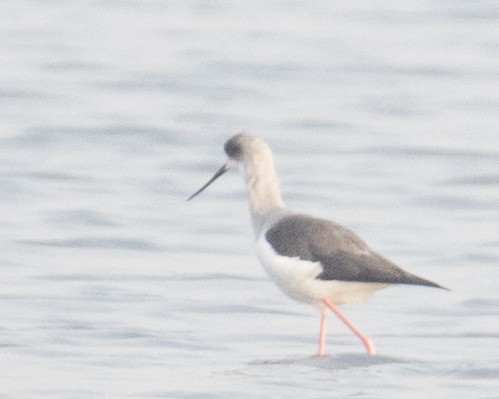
[[382, 117]]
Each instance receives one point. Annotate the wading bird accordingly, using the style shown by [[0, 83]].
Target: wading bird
[[312, 260]]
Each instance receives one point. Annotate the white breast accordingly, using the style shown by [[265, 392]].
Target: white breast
[[298, 279]]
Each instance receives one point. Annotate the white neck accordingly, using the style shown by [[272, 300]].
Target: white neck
[[263, 190]]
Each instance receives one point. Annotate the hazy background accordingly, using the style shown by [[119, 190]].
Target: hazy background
[[382, 116]]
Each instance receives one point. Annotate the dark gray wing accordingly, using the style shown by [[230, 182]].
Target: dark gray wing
[[342, 254]]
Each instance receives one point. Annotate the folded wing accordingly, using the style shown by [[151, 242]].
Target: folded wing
[[341, 253]]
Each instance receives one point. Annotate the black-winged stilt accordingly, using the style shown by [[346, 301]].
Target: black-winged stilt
[[312, 260]]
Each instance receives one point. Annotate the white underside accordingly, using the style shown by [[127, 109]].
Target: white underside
[[298, 279]]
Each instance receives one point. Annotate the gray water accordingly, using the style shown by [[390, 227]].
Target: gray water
[[383, 116]]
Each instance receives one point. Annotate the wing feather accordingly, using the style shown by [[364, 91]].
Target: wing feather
[[342, 254]]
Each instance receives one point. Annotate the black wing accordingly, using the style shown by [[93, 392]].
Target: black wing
[[342, 254]]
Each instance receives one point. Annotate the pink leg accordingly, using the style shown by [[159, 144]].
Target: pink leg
[[322, 334], [365, 340]]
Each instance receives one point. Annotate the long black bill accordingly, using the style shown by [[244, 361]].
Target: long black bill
[[219, 173]]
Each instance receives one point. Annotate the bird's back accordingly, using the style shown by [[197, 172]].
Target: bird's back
[[342, 255]]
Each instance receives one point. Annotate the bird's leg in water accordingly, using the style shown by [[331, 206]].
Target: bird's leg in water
[[322, 334], [365, 340]]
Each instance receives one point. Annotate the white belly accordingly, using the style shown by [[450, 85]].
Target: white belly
[[298, 279]]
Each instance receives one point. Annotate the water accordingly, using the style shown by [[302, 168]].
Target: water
[[382, 116]]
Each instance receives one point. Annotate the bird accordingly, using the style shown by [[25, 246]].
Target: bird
[[312, 260]]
